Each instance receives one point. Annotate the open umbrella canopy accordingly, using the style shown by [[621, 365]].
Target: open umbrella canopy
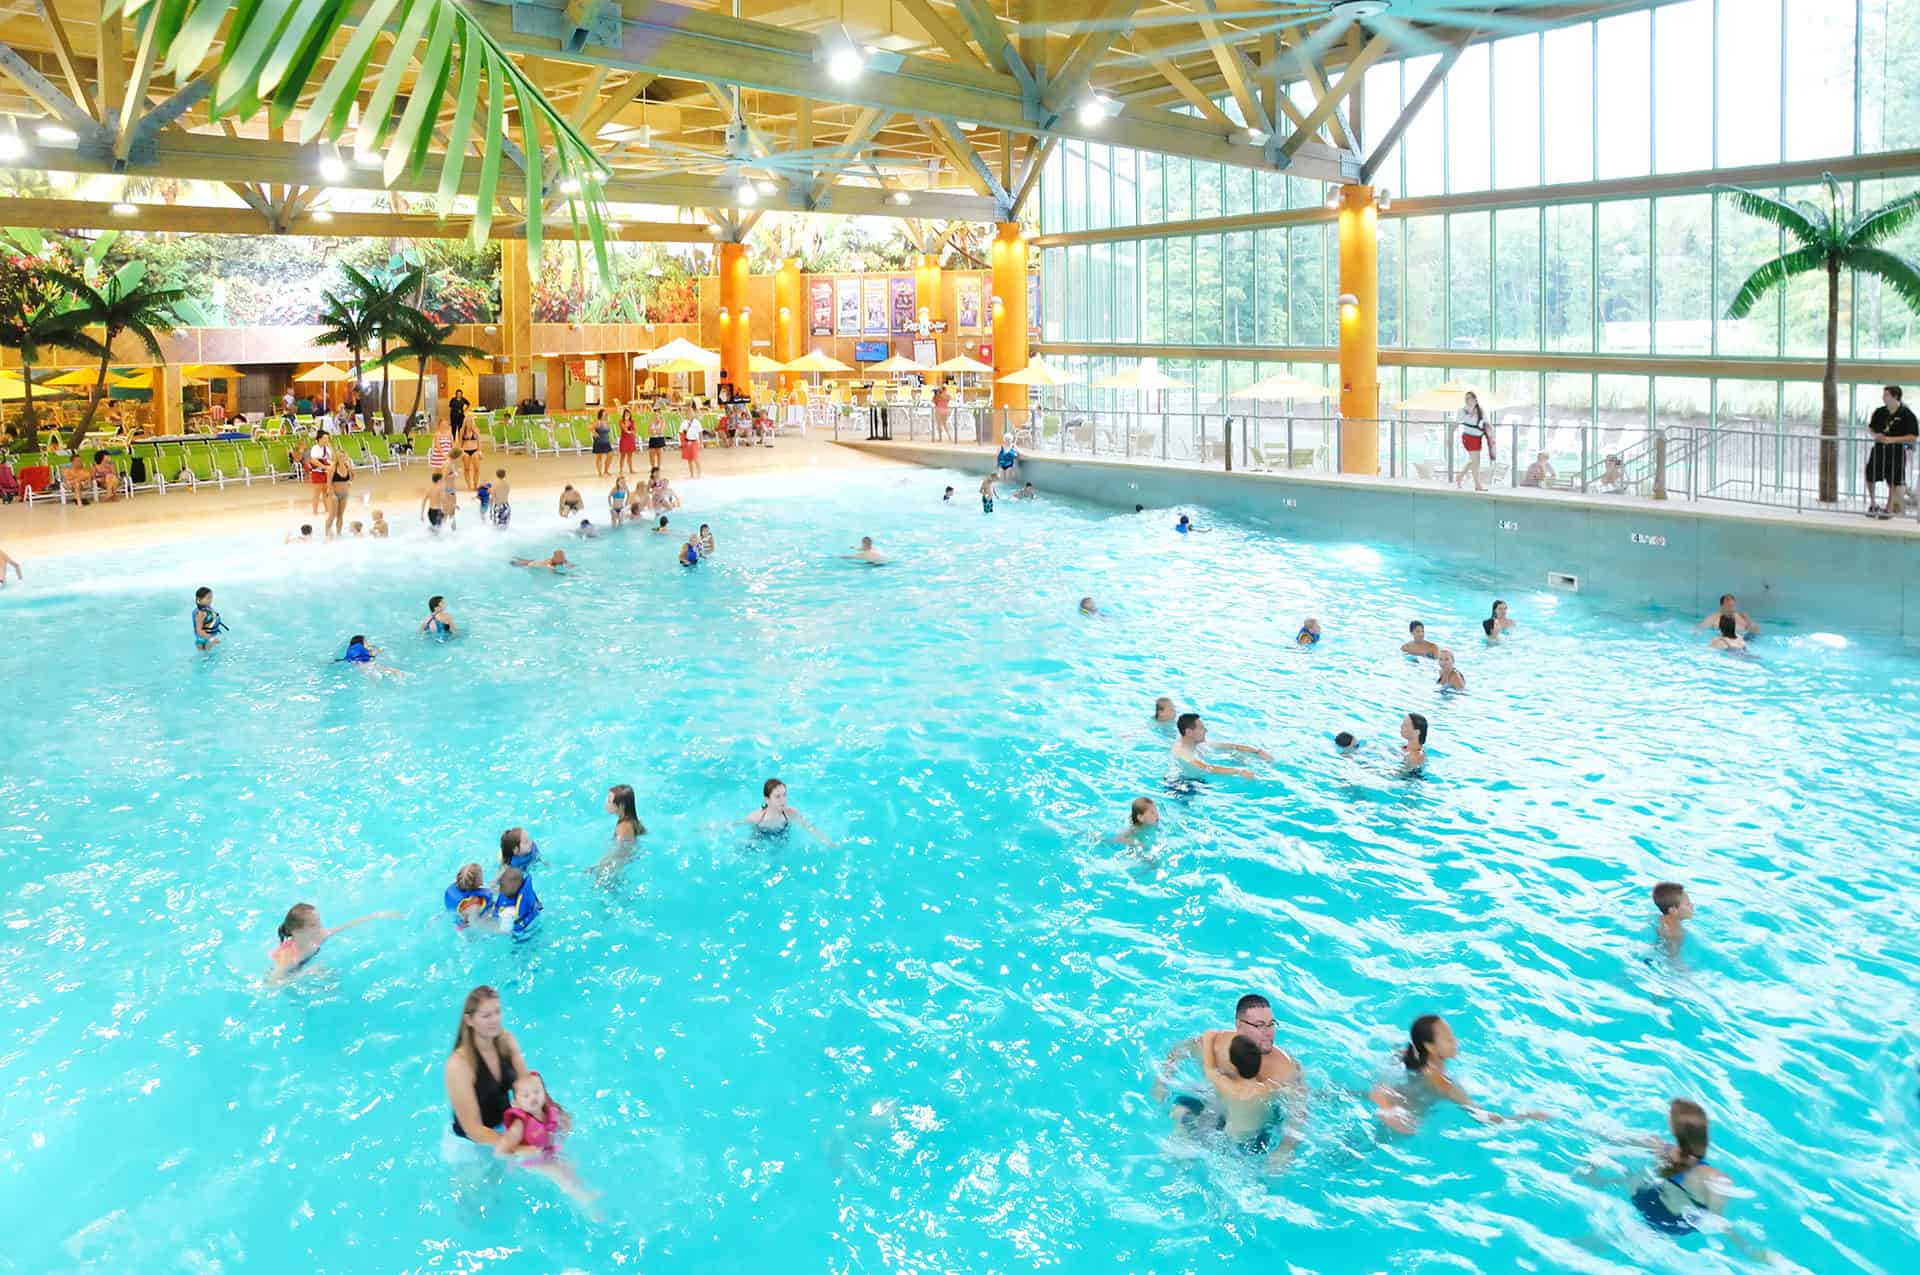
[[392, 372], [214, 371], [761, 365], [1283, 385], [1141, 378], [325, 372], [80, 378], [1039, 372], [681, 367], [898, 363], [961, 363], [1449, 397], [678, 348], [814, 361]]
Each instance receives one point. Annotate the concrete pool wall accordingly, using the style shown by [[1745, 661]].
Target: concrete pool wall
[[1812, 570]]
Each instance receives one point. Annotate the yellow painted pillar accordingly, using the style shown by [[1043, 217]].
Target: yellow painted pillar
[[1009, 307], [789, 318], [168, 390], [1359, 332], [735, 330], [516, 317]]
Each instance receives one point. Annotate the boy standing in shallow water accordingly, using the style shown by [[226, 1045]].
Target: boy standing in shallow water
[[1675, 910]]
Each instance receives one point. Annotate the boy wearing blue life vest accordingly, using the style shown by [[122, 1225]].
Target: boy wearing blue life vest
[[515, 904], [207, 624]]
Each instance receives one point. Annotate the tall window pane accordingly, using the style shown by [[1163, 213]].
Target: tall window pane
[[1307, 291], [1516, 111], [1153, 291], [1469, 271], [1568, 108], [1884, 325], [1390, 251], [1516, 300], [1238, 285], [1568, 287], [1179, 291], [1622, 402], [1819, 106], [1382, 87], [1179, 189], [1126, 292], [1425, 140], [1100, 293], [1747, 405], [1626, 66], [1051, 179], [1569, 408], [1274, 276], [1743, 245], [1426, 296], [1683, 87], [1099, 187], [1748, 111], [1682, 402], [1469, 121], [1889, 50], [1053, 291], [1207, 182], [1077, 292], [1623, 299], [1271, 188], [1239, 192], [1682, 278], [1153, 188], [1206, 288], [1126, 182]]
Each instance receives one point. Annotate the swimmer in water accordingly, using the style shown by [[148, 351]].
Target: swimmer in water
[[866, 553], [378, 528], [706, 541], [1143, 818], [1025, 493], [1187, 524], [690, 552], [1676, 909], [1165, 712], [1402, 1103], [302, 933], [468, 897], [556, 561], [1309, 634], [947, 499], [627, 828], [660, 528], [517, 849], [1413, 733], [1729, 638], [1345, 741], [1417, 644], [986, 494], [531, 1133], [438, 622], [1450, 679], [1249, 1115], [1088, 607], [775, 816], [207, 624], [1497, 622], [586, 530], [1743, 624], [617, 501], [303, 537], [570, 501], [1683, 1187], [1193, 737]]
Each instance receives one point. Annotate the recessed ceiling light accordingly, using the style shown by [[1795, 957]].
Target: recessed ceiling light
[[125, 209], [967, 126], [322, 216], [902, 198], [333, 168], [746, 194], [846, 64], [56, 134]]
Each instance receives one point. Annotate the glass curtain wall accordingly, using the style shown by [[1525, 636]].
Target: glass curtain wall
[[1692, 86]]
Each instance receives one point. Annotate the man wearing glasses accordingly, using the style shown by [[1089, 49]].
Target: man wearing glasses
[[1249, 1109]]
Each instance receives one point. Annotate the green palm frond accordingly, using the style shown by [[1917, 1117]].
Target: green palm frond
[[1899, 273], [270, 53], [1772, 274], [1884, 222], [1799, 220]]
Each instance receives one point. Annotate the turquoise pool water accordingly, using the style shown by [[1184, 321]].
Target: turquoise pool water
[[928, 1046]]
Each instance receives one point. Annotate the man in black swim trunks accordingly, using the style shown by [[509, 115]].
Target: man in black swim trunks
[[1278, 1071]]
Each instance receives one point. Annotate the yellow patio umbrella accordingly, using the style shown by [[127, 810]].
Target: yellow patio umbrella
[[1283, 385], [814, 361], [392, 372], [1140, 378], [1039, 372], [678, 348], [961, 363], [213, 371], [1450, 397], [899, 363], [761, 365], [681, 367], [80, 378], [325, 373]]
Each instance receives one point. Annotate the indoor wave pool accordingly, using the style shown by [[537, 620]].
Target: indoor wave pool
[[925, 1040]]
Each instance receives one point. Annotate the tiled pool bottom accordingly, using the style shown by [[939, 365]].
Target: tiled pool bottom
[[930, 1044]]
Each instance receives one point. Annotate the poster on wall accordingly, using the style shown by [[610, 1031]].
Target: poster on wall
[[966, 303], [926, 352], [1033, 304], [820, 307], [847, 295], [876, 307], [905, 313]]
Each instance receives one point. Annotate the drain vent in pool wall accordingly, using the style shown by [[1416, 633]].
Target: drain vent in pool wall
[[1562, 580]]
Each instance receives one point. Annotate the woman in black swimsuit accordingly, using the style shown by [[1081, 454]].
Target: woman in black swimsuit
[[468, 438], [481, 1071], [338, 490]]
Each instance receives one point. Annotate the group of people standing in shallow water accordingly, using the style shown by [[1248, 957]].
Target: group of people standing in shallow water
[[1254, 1097]]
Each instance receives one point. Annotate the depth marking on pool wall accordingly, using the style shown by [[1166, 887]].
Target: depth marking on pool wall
[[1508, 524], [1643, 538], [1292, 503]]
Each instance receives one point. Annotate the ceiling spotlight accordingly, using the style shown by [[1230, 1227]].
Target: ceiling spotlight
[[902, 198], [1097, 109], [845, 64], [1383, 198], [766, 188], [321, 215], [570, 186], [967, 126], [1333, 199], [333, 168], [715, 229], [125, 209], [746, 194], [56, 134], [1249, 137]]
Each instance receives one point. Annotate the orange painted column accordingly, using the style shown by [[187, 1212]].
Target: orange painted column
[[1359, 332], [926, 292], [1009, 307], [736, 340], [789, 318]]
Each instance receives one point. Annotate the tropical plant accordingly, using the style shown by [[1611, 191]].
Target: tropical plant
[[31, 300], [1828, 239], [419, 341], [344, 321], [272, 53], [376, 305], [126, 302]]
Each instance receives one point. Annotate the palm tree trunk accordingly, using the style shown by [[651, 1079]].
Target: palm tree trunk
[[93, 402], [419, 392], [359, 373], [1830, 393], [30, 430], [386, 398]]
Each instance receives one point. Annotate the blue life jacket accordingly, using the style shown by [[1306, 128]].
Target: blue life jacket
[[525, 857], [455, 896], [527, 905], [358, 654]]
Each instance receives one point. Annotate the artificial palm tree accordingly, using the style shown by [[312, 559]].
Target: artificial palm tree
[[420, 340], [1830, 240], [126, 302], [31, 319], [344, 322], [373, 310]]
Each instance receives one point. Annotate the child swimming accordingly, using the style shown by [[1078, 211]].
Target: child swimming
[[302, 934], [531, 1136]]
